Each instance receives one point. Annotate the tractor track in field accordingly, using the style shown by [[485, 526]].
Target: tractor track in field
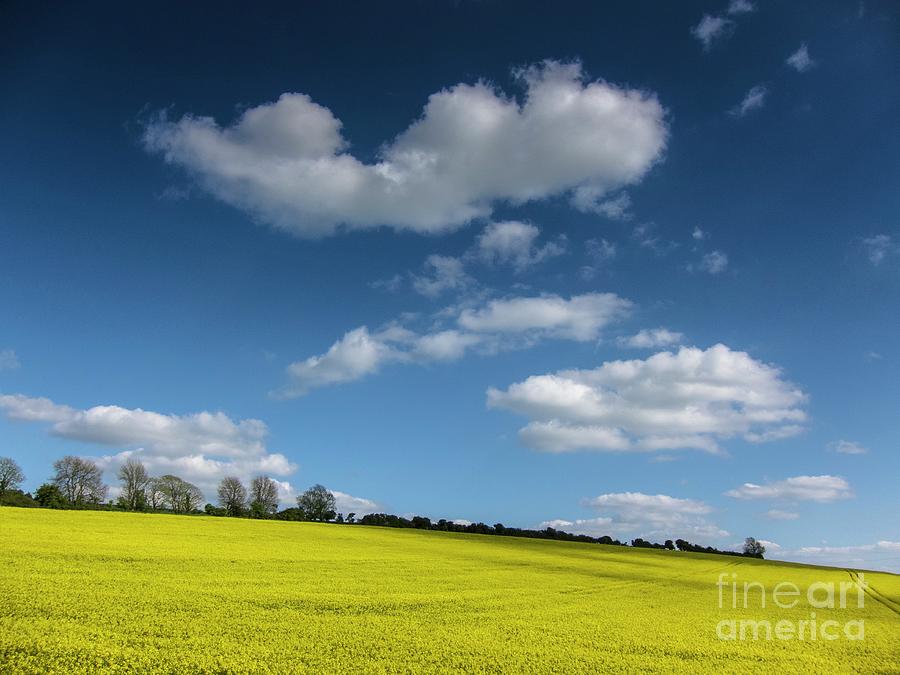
[[873, 593]]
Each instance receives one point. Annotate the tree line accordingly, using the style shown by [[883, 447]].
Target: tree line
[[78, 483]]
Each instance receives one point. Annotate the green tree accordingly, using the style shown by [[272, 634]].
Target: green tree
[[754, 548], [317, 503], [50, 497]]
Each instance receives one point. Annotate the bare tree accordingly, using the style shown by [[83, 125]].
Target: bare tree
[[233, 496], [263, 497], [156, 499], [134, 479], [11, 476], [79, 480], [177, 494]]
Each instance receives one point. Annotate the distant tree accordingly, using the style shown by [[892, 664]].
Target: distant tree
[[50, 497], [317, 503], [80, 481], [153, 495], [753, 548], [233, 496], [669, 545], [211, 510], [19, 498], [11, 476], [134, 479], [351, 517], [178, 495], [292, 513], [263, 497]]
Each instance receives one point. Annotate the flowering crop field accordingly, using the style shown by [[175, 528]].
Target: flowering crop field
[[121, 592]]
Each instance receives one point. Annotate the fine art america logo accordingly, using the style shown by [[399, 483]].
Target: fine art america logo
[[751, 596]]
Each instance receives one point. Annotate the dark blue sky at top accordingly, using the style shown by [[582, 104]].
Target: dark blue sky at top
[[112, 291]]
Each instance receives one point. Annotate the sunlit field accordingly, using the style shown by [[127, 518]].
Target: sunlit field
[[124, 592]]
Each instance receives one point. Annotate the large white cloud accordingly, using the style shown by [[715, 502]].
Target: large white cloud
[[508, 323], [288, 164], [797, 488], [635, 514], [692, 398], [201, 447]]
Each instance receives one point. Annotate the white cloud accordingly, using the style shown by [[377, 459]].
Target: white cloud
[[714, 263], [798, 488], [778, 514], [692, 398], [442, 273], [740, 7], [579, 318], [699, 235], [712, 29], [288, 164], [848, 448], [641, 515], [8, 360], [346, 504], [509, 323], [879, 247], [514, 243], [355, 355], [201, 447], [590, 199], [800, 59], [650, 338], [754, 99], [882, 555], [391, 284], [600, 250]]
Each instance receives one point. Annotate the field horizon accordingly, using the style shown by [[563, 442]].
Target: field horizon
[[130, 592]]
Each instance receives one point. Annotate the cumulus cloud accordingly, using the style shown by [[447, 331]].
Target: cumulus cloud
[[580, 317], [699, 235], [642, 515], [8, 360], [650, 338], [514, 243], [442, 273], [800, 59], [712, 29], [345, 503], [754, 99], [495, 325], [201, 447], [848, 448], [692, 398], [798, 488], [288, 164]]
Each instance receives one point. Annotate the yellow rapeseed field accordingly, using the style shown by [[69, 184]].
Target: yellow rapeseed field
[[120, 592]]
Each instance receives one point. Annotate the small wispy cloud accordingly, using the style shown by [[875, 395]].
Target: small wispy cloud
[[754, 99], [9, 360], [800, 60]]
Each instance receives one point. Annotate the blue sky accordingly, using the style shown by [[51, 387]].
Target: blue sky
[[469, 260]]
